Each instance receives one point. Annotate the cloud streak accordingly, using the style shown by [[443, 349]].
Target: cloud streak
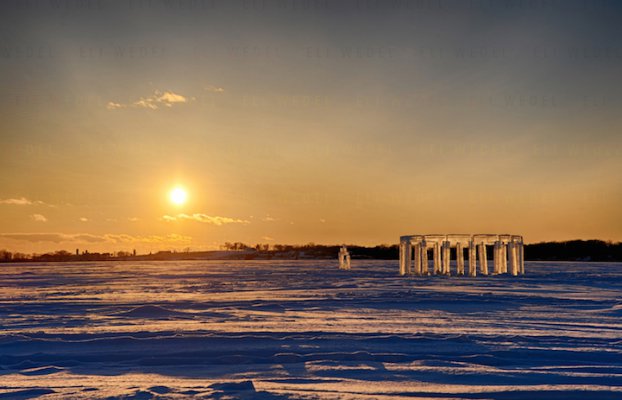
[[204, 218], [90, 238], [38, 218], [157, 100], [214, 89], [21, 201]]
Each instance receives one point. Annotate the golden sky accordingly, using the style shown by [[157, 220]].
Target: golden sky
[[350, 122]]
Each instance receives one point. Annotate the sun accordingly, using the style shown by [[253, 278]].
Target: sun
[[178, 196]]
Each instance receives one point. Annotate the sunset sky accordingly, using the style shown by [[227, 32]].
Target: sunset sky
[[307, 121]]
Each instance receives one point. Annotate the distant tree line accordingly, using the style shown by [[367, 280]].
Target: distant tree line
[[574, 250], [62, 255]]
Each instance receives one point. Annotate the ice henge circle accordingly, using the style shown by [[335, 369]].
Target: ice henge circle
[[508, 251]]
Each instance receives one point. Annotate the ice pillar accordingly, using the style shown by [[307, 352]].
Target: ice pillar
[[344, 258], [408, 257], [417, 251], [402, 261], [459, 259], [521, 256], [472, 259], [483, 260], [446, 257], [424, 258], [340, 258], [497, 257], [504, 258], [513, 253], [437, 255]]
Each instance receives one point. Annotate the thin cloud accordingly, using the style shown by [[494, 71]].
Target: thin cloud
[[161, 239], [267, 238], [21, 201], [38, 218], [169, 98], [204, 218], [89, 238], [84, 219], [157, 100], [268, 218], [114, 106], [85, 237], [214, 89], [35, 237]]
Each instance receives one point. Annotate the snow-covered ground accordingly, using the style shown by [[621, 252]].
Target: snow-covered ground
[[306, 330]]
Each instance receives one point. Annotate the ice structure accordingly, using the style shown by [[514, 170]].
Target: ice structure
[[344, 258], [508, 254]]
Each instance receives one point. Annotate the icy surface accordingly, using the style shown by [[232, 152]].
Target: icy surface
[[307, 330]]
